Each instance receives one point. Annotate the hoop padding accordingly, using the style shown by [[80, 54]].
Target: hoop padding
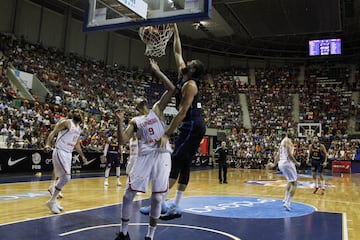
[[156, 38]]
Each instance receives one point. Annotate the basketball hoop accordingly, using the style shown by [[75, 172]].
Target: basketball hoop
[[156, 38]]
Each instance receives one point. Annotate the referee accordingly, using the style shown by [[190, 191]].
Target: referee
[[222, 152]]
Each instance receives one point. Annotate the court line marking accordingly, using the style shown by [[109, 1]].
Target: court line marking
[[145, 224], [345, 227], [57, 215], [344, 217], [88, 209], [261, 197], [37, 179]]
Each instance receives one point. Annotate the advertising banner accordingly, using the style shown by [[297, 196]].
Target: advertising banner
[[341, 167], [28, 161], [204, 146]]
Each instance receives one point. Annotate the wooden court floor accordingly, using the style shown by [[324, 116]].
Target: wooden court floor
[[21, 201]]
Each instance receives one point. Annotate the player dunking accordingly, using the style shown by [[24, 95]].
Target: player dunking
[[192, 126], [318, 155], [153, 162]]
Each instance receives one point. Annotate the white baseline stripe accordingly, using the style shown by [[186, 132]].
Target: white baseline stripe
[[345, 227], [167, 225]]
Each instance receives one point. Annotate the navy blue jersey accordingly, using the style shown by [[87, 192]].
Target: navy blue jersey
[[113, 150], [316, 153], [195, 110], [191, 132]]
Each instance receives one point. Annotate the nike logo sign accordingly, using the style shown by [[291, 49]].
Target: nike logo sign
[[12, 163], [91, 161]]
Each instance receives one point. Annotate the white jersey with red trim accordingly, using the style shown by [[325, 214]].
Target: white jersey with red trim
[[133, 145], [149, 130], [284, 154], [67, 138]]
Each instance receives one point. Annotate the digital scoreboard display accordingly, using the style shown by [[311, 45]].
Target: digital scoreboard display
[[325, 47]]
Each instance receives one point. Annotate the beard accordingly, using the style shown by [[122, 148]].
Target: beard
[[77, 118], [184, 70]]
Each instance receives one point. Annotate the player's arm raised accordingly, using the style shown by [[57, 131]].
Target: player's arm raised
[[180, 63], [160, 105], [124, 136], [189, 90]]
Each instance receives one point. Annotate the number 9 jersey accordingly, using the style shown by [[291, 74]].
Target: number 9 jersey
[[149, 130]]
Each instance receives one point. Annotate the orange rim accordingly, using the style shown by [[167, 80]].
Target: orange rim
[[157, 29]]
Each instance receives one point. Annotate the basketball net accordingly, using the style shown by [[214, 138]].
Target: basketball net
[[309, 134], [156, 39]]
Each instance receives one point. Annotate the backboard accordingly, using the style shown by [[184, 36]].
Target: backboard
[[111, 15]]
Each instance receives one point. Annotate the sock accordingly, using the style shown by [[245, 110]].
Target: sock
[[107, 172], [150, 232], [322, 184], [117, 169], [55, 195], [124, 226], [178, 196], [289, 200], [286, 196], [165, 195], [126, 210], [316, 183], [61, 182]]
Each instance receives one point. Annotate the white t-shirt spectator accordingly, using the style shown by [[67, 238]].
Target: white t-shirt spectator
[[58, 100]]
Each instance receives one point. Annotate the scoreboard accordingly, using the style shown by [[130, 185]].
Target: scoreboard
[[325, 47]]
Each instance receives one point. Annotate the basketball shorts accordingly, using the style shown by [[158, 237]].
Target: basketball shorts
[[113, 159], [155, 167], [130, 164], [61, 162], [317, 166], [188, 142], [289, 170]]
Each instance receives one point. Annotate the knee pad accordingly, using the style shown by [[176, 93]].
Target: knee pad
[[294, 183], [62, 181], [129, 195], [156, 199]]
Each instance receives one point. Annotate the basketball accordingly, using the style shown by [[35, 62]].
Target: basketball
[[156, 38]]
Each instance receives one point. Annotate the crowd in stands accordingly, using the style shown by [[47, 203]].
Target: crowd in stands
[[220, 97], [98, 89], [255, 149], [355, 108], [326, 97]]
